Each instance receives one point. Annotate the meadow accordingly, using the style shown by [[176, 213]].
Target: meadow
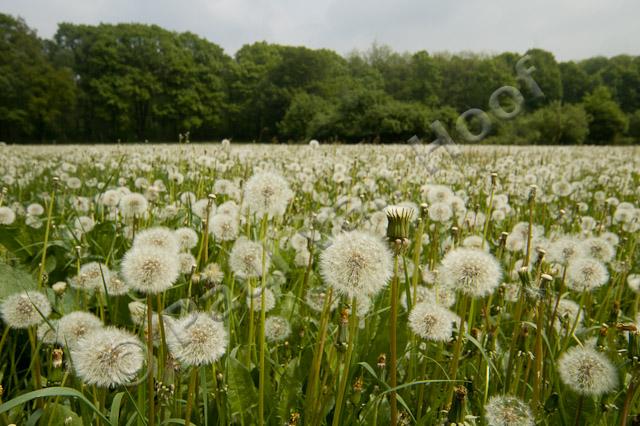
[[215, 284]]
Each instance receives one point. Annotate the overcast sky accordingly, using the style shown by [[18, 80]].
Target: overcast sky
[[571, 29]]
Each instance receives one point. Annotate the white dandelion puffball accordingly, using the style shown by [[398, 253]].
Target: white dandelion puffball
[[256, 295], [187, 238], [587, 371], [633, 281], [586, 274], [74, 325], [568, 313], [356, 264], [440, 212], [212, 273], [472, 271], [432, 321], [108, 357], [48, 332], [7, 215], [133, 205], [115, 286], [26, 309], [245, 259], [276, 329], [564, 250], [224, 227], [92, 276], [506, 410], [159, 238], [35, 209], [316, 298], [267, 193], [186, 262], [110, 198], [197, 339], [599, 248], [149, 270]]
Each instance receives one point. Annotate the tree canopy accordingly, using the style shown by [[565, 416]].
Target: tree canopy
[[135, 82]]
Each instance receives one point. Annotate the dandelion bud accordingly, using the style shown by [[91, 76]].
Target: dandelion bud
[[382, 361], [358, 385], [294, 418], [457, 411], [399, 219], [57, 358], [59, 287], [424, 210], [532, 193], [494, 177]]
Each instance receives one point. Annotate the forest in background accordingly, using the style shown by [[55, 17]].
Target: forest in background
[[135, 82]]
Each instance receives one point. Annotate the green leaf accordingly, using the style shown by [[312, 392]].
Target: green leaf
[[60, 414], [242, 392], [49, 392], [115, 408], [14, 280]]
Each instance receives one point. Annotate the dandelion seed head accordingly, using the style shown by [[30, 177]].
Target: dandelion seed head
[[74, 325], [587, 371], [276, 329], [472, 271], [197, 339], [267, 193], [586, 274], [245, 258], [187, 238], [224, 227], [505, 410], [599, 248], [149, 270], [564, 249], [432, 321], [133, 205], [159, 238], [356, 264], [7, 215], [25, 309], [108, 357], [256, 295]]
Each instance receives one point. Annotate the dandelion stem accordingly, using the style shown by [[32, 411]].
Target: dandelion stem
[[263, 310], [190, 395], [314, 374], [46, 237], [150, 384], [353, 326], [393, 379], [457, 348]]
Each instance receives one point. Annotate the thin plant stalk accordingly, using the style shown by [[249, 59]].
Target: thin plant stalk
[[191, 392], [263, 313], [353, 326], [457, 349], [314, 374], [150, 384], [393, 337], [46, 235]]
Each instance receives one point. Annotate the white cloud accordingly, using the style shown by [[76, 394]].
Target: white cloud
[[572, 29]]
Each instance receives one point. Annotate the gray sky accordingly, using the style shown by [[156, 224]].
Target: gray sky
[[571, 29]]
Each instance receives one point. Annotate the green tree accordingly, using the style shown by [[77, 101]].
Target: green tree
[[547, 75], [606, 120], [558, 124], [37, 98]]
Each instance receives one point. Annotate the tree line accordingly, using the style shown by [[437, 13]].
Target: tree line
[[135, 82]]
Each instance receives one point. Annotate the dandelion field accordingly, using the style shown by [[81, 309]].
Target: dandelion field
[[225, 284]]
